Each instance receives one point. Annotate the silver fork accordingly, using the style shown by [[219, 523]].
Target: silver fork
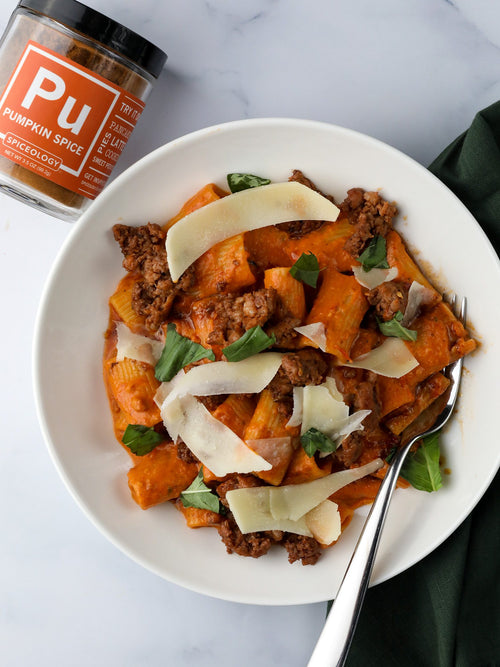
[[335, 640]]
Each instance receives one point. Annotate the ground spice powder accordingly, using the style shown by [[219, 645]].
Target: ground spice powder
[[73, 83]]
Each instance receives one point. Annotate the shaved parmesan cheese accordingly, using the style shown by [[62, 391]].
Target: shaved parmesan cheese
[[392, 359], [161, 394], [251, 511], [273, 450], [352, 423], [240, 212], [166, 388], [374, 277], [296, 418], [248, 376], [332, 388], [418, 295], [287, 507], [315, 332], [322, 407], [216, 445], [272, 443], [294, 500], [134, 346], [324, 522], [321, 410], [173, 417]]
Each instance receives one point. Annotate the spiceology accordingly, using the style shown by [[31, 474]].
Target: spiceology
[[68, 101]]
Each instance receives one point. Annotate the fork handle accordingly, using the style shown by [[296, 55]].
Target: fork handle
[[333, 644]]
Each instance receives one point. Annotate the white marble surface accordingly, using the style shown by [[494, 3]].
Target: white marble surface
[[410, 72]]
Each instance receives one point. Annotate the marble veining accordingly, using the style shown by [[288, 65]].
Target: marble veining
[[410, 72], [480, 14]]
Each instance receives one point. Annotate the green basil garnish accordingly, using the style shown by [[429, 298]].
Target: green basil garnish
[[421, 468], [178, 352], [141, 439], [395, 329], [306, 269], [252, 342], [375, 255], [199, 495], [239, 182], [315, 440]]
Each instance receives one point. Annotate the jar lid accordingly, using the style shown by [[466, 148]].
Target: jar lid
[[103, 29]]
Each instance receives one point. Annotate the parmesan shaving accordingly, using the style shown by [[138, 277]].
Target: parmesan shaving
[[374, 277], [324, 522], [267, 507], [322, 407], [296, 418], [173, 417], [333, 389], [272, 450], [418, 295], [294, 500], [391, 359], [315, 332], [240, 212], [134, 346], [351, 424], [251, 511], [249, 376], [166, 388], [321, 410], [216, 445]]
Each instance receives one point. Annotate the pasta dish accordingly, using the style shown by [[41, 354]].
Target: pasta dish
[[267, 351]]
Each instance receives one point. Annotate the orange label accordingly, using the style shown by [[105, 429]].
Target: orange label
[[64, 122]]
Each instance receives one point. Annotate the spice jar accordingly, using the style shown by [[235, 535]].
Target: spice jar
[[73, 84]]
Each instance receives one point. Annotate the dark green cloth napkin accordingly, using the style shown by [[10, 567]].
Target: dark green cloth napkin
[[445, 611]]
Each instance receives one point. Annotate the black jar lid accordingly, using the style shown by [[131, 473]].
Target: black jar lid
[[97, 26]]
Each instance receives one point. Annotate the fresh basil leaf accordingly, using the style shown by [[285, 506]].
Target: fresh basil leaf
[[239, 182], [375, 255], [252, 342], [421, 468], [199, 495], [315, 440], [306, 269], [141, 439], [178, 352], [395, 329]]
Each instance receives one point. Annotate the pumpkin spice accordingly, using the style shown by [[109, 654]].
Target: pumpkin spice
[[73, 84]]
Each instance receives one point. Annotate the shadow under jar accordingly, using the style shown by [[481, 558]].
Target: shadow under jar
[[73, 84]]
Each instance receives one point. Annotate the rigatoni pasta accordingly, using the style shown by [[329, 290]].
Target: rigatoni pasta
[[290, 299]]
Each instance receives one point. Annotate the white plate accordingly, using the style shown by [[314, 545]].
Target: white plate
[[73, 408]]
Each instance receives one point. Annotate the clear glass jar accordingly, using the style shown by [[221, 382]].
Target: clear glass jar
[[73, 83]]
